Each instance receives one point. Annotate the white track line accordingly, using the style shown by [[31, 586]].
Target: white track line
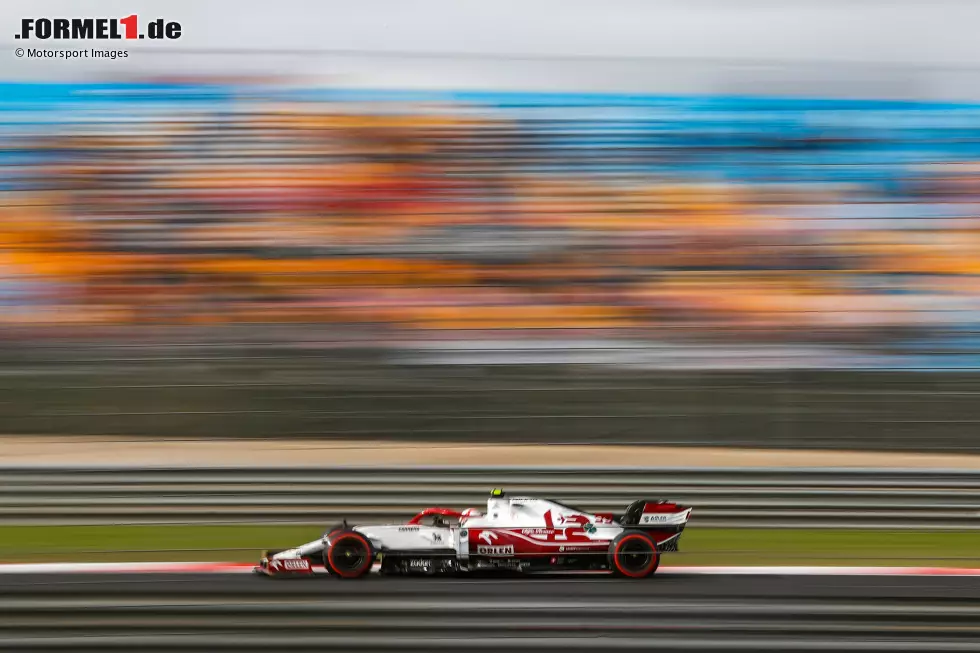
[[823, 571], [244, 567]]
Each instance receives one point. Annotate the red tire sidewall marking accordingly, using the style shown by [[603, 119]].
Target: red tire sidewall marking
[[653, 558], [367, 558]]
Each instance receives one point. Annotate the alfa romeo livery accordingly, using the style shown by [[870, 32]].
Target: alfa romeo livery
[[515, 534]]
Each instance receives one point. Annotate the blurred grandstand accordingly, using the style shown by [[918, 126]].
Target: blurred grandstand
[[470, 227]]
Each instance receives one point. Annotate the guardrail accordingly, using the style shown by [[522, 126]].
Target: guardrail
[[191, 617], [813, 498]]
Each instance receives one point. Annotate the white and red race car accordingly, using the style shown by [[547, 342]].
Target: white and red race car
[[515, 534]]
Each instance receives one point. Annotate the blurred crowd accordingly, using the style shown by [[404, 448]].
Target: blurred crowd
[[526, 216]]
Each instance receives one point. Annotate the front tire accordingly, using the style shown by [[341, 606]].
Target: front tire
[[633, 554], [348, 554]]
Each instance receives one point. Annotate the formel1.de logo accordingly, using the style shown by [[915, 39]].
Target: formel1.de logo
[[81, 29]]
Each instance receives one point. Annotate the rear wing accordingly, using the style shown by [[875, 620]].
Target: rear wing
[[664, 521]]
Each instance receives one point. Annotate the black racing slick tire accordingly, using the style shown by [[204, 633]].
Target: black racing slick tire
[[348, 554], [326, 534], [633, 554]]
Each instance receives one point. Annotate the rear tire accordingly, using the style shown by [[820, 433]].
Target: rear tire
[[348, 554], [633, 554]]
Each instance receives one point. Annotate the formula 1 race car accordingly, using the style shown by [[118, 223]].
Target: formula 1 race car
[[515, 534]]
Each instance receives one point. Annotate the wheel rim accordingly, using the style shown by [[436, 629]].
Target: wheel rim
[[635, 555], [348, 555]]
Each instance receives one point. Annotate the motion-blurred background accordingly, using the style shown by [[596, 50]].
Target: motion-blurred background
[[679, 222]]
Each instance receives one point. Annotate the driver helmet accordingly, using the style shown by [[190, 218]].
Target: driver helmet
[[496, 502]]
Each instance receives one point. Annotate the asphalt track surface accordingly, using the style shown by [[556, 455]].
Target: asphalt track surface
[[197, 612]]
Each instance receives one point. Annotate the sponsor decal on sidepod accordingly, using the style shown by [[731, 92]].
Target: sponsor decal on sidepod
[[498, 551]]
